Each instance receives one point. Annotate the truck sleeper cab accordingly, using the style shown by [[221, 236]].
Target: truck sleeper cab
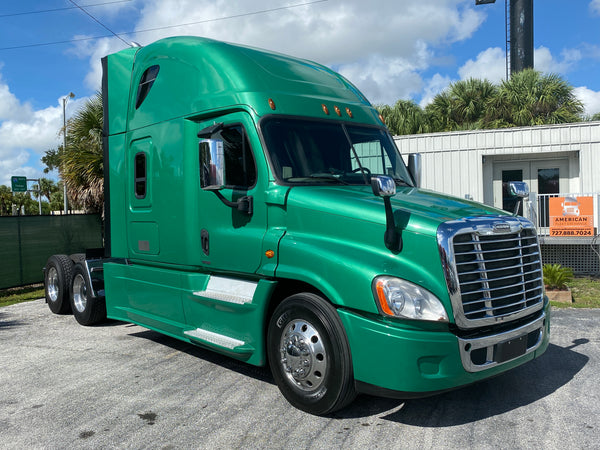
[[256, 205]]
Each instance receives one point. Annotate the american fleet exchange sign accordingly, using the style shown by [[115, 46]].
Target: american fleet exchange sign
[[571, 216]]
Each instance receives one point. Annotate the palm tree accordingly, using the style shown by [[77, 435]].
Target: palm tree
[[405, 117], [6, 201], [532, 98], [462, 105], [82, 160]]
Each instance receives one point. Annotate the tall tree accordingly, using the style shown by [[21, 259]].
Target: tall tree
[[532, 98], [462, 105], [405, 117], [6, 201], [82, 160]]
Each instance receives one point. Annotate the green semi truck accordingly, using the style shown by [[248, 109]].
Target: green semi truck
[[256, 205]]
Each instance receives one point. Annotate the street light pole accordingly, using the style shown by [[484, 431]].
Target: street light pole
[[65, 100]]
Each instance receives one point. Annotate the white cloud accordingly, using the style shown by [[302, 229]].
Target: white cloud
[[10, 107], [434, 86], [25, 134], [590, 99], [545, 62], [489, 64], [595, 6], [400, 40]]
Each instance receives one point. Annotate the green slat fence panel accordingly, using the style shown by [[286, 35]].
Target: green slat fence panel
[[26, 243]]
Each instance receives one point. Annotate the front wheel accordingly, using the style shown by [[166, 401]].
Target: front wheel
[[309, 354], [87, 309]]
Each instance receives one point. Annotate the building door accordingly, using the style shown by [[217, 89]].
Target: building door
[[545, 178], [548, 179]]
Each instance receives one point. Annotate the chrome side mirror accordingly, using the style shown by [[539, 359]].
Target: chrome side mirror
[[212, 165], [383, 186], [518, 189]]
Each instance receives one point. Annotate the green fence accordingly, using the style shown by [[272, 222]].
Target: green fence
[[26, 242]]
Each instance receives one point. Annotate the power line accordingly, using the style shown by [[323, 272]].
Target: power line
[[264, 11], [100, 23], [26, 13]]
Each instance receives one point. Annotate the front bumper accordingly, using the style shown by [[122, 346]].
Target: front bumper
[[404, 361]]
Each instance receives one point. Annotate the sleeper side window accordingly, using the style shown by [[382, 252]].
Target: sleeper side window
[[140, 177], [146, 82]]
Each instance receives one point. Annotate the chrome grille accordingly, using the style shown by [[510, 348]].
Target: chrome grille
[[493, 269]]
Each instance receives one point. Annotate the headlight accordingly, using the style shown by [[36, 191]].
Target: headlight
[[400, 298]]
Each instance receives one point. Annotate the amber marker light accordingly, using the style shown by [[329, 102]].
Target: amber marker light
[[381, 118], [337, 111], [272, 104], [325, 108], [269, 254], [349, 113], [382, 300]]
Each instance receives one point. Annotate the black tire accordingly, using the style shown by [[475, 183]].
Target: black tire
[[77, 257], [309, 354], [57, 282], [87, 309]]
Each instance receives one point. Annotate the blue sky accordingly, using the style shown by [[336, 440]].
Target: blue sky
[[390, 49]]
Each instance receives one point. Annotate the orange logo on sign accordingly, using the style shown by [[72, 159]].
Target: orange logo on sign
[[571, 216]]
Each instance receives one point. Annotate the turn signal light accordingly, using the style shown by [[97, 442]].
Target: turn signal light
[[269, 254]]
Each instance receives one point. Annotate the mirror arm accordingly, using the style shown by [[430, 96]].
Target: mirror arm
[[244, 204], [391, 238]]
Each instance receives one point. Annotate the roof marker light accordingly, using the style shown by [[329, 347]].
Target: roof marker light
[[349, 113], [337, 111], [272, 104], [325, 108]]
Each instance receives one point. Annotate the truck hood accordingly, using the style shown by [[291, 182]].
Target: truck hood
[[415, 210]]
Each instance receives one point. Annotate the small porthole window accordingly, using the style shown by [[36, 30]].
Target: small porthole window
[[146, 83], [140, 175]]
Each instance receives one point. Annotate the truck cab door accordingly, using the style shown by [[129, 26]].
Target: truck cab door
[[231, 239]]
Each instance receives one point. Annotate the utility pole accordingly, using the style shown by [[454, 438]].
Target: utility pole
[[65, 100], [520, 41]]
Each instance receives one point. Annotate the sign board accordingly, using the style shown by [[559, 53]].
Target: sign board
[[19, 184], [571, 216]]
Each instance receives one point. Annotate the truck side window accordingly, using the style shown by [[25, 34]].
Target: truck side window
[[140, 175], [146, 83], [240, 168]]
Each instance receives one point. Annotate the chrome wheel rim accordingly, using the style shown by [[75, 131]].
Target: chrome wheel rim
[[79, 293], [52, 284], [303, 355]]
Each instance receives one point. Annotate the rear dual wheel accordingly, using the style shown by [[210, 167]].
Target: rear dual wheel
[[309, 354], [87, 309], [57, 279]]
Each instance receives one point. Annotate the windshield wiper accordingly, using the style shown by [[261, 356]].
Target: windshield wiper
[[327, 177], [402, 182]]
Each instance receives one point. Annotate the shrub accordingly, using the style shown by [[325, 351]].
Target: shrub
[[556, 276]]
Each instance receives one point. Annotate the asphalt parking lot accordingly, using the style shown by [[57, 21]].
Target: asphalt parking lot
[[122, 386]]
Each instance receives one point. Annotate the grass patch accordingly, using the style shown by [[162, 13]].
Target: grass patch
[[21, 294], [585, 291]]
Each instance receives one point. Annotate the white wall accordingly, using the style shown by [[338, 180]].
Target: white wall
[[461, 163]]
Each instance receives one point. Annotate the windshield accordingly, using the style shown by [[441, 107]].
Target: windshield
[[318, 152]]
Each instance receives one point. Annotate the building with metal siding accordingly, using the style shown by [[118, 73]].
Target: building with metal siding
[[553, 160]]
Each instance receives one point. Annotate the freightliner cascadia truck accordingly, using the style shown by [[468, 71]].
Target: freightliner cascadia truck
[[256, 205]]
